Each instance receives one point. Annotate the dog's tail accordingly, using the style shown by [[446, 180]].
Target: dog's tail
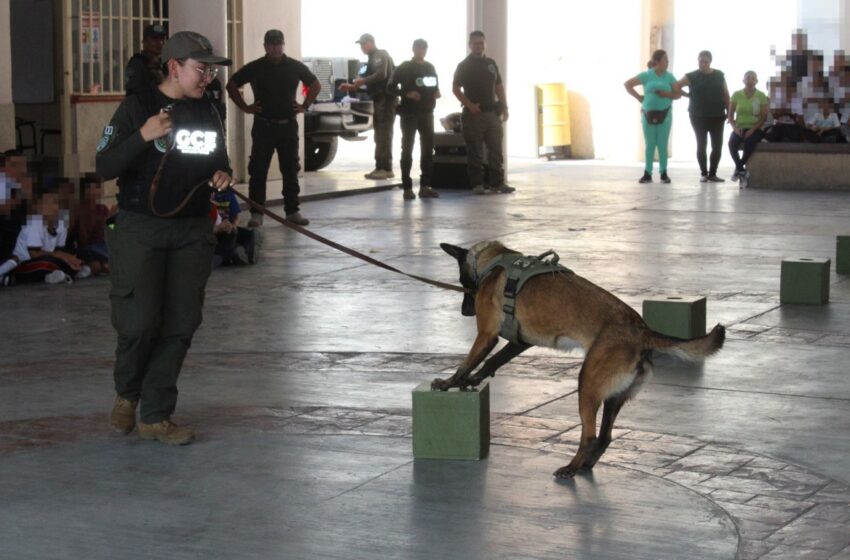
[[694, 349]]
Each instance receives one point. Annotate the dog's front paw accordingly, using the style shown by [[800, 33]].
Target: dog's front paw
[[440, 385], [565, 472]]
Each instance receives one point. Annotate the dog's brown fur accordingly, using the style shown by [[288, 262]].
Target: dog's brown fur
[[558, 310]]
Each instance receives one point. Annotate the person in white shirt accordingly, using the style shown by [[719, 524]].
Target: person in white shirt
[[40, 247], [822, 124]]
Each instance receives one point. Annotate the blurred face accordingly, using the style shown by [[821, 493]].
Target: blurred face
[[661, 65], [477, 45], [15, 167], [367, 47], [153, 45], [193, 76], [274, 51], [704, 63], [799, 42], [420, 52], [750, 80], [94, 191], [48, 207]]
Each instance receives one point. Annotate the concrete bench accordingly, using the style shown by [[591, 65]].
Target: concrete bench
[[800, 166]]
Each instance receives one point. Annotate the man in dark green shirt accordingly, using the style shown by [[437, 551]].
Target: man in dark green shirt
[[144, 69], [415, 81], [274, 80], [478, 86]]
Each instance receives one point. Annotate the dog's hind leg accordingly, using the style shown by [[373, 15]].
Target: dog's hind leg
[[608, 371], [503, 356], [609, 414], [588, 406]]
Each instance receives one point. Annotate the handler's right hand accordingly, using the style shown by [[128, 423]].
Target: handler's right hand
[[157, 126]]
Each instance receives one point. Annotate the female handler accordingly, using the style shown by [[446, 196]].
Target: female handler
[[167, 148]]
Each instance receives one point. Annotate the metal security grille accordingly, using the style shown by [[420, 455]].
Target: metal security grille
[[104, 35], [323, 69]]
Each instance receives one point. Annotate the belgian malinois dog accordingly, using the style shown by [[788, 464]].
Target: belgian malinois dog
[[562, 310]]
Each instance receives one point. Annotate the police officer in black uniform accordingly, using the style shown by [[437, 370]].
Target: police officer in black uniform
[[166, 146], [478, 86], [415, 81], [274, 80], [378, 71], [144, 70]]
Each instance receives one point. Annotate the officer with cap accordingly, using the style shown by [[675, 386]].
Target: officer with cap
[[144, 69], [378, 71], [166, 147], [274, 80], [415, 81], [478, 86]]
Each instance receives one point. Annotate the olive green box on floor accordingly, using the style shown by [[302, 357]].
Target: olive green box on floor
[[451, 424], [804, 280], [842, 254], [679, 316]]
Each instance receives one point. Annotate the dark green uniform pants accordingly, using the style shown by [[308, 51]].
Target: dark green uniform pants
[[160, 269]]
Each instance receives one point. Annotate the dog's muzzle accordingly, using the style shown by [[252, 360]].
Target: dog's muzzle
[[467, 308]]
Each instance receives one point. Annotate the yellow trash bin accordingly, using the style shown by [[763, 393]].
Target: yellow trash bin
[[553, 120]]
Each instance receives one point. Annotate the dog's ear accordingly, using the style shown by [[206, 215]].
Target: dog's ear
[[457, 252]]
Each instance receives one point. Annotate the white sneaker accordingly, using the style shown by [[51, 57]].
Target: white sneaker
[[479, 189], [84, 272], [379, 174], [57, 277]]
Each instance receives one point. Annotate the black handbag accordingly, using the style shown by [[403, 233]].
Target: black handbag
[[656, 117]]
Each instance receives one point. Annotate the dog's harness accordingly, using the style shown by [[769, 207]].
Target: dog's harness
[[518, 270]]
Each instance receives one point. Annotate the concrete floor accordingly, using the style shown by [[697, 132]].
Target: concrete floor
[[299, 385]]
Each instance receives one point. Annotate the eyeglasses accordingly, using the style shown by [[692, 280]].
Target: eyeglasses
[[207, 72]]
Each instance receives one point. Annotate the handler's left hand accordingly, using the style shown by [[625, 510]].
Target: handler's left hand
[[221, 180]]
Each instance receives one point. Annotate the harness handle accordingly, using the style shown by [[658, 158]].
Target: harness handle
[[550, 253]]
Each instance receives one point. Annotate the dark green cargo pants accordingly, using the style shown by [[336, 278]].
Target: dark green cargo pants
[[160, 269]]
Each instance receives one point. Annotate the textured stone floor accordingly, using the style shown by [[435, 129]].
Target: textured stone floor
[[299, 384]]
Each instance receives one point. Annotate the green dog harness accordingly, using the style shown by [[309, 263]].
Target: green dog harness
[[519, 269]]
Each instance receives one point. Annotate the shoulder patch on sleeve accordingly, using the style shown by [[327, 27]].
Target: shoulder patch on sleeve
[[109, 133]]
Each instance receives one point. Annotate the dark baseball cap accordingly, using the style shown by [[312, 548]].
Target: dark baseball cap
[[365, 38], [188, 44], [273, 37], [154, 30]]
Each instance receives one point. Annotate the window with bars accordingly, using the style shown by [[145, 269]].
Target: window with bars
[[104, 35]]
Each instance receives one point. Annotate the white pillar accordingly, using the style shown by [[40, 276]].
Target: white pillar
[[7, 107]]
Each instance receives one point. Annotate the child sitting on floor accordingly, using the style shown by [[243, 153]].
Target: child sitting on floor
[[40, 247], [89, 228], [236, 245]]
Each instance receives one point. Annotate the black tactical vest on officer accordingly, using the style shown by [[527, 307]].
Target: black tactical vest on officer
[[193, 152]]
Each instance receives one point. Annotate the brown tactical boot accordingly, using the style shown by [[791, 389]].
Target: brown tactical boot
[[123, 417], [167, 432]]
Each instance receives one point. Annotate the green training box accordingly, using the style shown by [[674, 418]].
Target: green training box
[[804, 280], [842, 254], [451, 424], [679, 316]]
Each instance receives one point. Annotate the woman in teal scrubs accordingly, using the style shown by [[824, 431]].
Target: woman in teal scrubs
[[659, 91]]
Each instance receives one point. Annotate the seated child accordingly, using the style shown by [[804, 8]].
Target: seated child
[[89, 229], [15, 191], [822, 125], [236, 245], [40, 247]]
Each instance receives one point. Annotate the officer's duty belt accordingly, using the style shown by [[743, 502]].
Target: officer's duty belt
[[274, 121]]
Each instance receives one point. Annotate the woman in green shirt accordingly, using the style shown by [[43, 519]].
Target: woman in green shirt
[[709, 98], [659, 91], [747, 113]]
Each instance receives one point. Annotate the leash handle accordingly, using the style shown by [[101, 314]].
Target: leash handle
[[315, 236]]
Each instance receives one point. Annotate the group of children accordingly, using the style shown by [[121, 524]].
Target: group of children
[[53, 229], [807, 104]]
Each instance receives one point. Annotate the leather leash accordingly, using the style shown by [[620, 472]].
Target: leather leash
[[343, 248]]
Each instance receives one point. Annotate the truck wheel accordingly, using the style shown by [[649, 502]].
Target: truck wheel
[[318, 155]]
